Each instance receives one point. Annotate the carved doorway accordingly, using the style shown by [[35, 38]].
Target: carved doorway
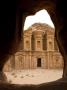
[[38, 62]]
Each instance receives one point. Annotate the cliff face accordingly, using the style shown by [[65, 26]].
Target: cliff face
[[57, 11]]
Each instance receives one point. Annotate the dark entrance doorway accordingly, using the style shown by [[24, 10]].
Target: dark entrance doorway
[[38, 62]]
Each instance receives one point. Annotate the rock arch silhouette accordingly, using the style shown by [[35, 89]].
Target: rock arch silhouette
[[13, 15]]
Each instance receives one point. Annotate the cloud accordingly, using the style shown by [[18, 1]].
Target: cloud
[[42, 16]]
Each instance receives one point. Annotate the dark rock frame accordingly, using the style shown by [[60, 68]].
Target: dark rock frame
[[12, 19]]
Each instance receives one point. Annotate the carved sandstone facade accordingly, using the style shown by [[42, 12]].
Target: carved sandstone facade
[[40, 50]]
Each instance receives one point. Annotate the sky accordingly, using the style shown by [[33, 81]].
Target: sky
[[40, 17]]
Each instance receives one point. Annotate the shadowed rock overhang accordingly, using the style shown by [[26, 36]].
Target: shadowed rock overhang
[[12, 22]]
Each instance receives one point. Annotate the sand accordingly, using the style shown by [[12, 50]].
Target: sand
[[34, 76]]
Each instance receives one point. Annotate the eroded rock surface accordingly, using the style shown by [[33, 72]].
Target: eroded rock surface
[[10, 34]]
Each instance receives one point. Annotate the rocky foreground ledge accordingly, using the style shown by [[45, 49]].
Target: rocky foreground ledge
[[60, 84]]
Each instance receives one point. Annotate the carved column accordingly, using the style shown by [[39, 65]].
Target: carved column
[[55, 45], [32, 42], [45, 42]]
